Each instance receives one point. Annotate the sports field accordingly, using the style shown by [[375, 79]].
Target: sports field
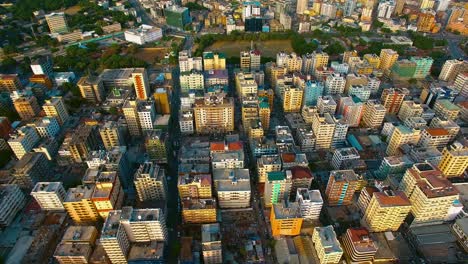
[[268, 48]]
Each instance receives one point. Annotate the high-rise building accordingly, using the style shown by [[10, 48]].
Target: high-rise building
[[399, 6], [423, 66], [13, 200], [83, 141], [155, 144], [55, 107], [410, 109], [23, 141], [326, 244], [292, 62], [46, 127], [79, 206], [335, 84], [373, 60], [49, 195], [57, 22], [349, 7], [452, 68], [387, 210], [150, 182], [310, 202], [91, 88], [177, 17], [214, 113], [434, 137], [162, 101], [111, 135], [114, 238], [188, 63], [232, 187], [388, 57], [385, 9], [30, 169], [301, 178], [251, 10], [427, 20], [266, 164], [130, 111], [141, 83], [194, 186], [445, 109], [392, 99], [27, 107], [212, 249], [351, 108], [328, 10], [10, 83], [323, 127], [277, 187], [192, 80], [108, 193], [359, 245], [456, 21], [302, 6], [144, 225], [214, 61], [292, 99], [246, 84], [76, 245], [198, 211], [312, 91], [250, 60], [373, 114], [286, 219], [454, 160], [430, 194], [402, 135], [342, 184], [326, 104]]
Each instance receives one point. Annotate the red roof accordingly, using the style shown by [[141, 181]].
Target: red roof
[[437, 132], [299, 172], [237, 145], [217, 146], [288, 157]]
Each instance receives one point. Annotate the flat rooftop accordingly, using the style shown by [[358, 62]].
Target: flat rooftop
[[310, 195], [287, 210], [390, 198], [146, 251], [328, 239], [46, 187], [344, 175], [84, 234], [79, 193], [141, 215]]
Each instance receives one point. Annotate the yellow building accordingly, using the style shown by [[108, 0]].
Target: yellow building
[[27, 107], [426, 21], [359, 245], [55, 107], [10, 83], [430, 194], [402, 135], [286, 219], [111, 135], [349, 54], [79, 205], [388, 57], [130, 112], [195, 186], [199, 211], [374, 114], [364, 68], [255, 129], [434, 137], [387, 210], [91, 88], [83, 140], [249, 111], [454, 160], [326, 244], [108, 193], [373, 60], [214, 61], [155, 144], [161, 100], [292, 99], [214, 113], [264, 113], [458, 20], [274, 72], [76, 246], [446, 109], [410, 109], [323, 127], [342, 184], [267, 163]]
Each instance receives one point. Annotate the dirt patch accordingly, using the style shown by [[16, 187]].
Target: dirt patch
[[268, 48], [72, 10], [149, 55]]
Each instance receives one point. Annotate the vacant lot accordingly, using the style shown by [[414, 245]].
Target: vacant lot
[[72, 10], [268, 48], [150, 54]]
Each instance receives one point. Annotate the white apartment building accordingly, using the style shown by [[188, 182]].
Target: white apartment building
[[143, 34], [310, 202], [232, 187], [23, 141], [150, 182], [144, 225], [49, 195], [335, 84]]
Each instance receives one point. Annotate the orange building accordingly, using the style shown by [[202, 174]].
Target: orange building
[[141, 83], [341, 187], [286, 219], [426, 21], [10, 83], [41, 79]]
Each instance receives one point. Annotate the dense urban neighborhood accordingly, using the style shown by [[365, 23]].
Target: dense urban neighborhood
[[221, 131]]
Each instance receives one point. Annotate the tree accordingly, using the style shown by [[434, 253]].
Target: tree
[[71, 87], [412, 81], [335, 49]]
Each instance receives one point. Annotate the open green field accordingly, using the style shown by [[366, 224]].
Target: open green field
[[268, 48]]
